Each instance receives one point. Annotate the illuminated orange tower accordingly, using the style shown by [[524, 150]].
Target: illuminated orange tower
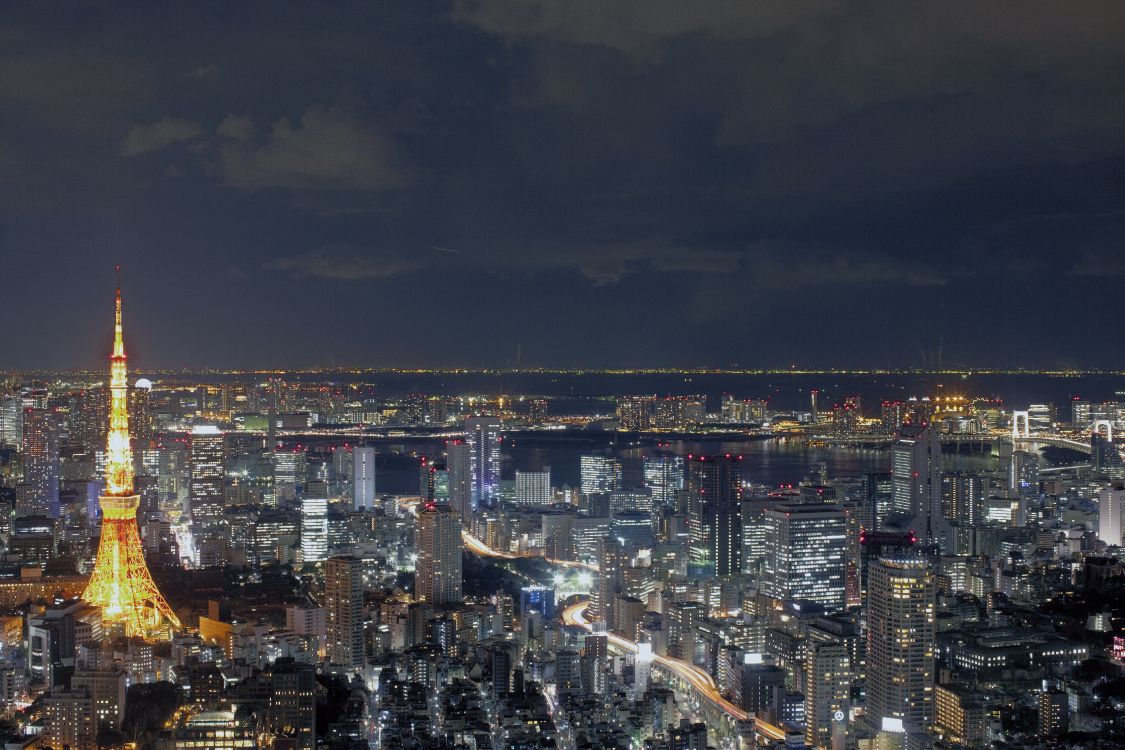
[[121, 583]]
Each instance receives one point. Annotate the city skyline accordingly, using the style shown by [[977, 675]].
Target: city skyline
[[663, 186], [562, 374]]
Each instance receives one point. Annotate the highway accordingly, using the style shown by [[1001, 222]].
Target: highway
[[478, 547], [702, 682]]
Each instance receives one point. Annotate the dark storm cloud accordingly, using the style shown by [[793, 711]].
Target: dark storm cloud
[[636, 182]]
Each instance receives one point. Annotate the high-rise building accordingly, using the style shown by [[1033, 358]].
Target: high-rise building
[[1023, 473], [634, 413], [482, 434], [916, 478], [343, 611], [1054, 713], [290, 469], [68, 719], [806, 548], [1111, 503], [363, 477], [11, 421], [714, 487], [314, 529], [206, 464], [963, 494], [613, 558], [664, 477], [900, 643], [291, 707], [40, 455], [433, 482], [459, 463], [533, 488], [438, 570], [106, 688], [599, 475], [828, 679]]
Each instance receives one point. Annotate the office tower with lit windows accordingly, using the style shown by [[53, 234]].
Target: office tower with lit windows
[[664, 477], [40, 455], [1054, 713], [962, 496], [459, 464], [901, 643], [438, 570], [828, 678], [599, 475], [916, 479], [1111, 503], [878, 494], [537, 411], [206, 464], [482, 434], [290, 469], [714, 487], [140, 412], [635, 413], [363, 477], [806, 548], [11, 421], [314, 529], [291, 706], [1023, 473], [342, 470], [533, 488], [433, 482], [613, 558], [343, 611]]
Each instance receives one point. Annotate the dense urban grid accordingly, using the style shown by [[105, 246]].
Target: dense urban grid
[[209, 561]]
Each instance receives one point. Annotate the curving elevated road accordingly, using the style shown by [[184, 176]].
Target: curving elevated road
[[702, 682]]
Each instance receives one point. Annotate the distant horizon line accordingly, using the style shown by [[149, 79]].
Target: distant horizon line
[[961, 371]]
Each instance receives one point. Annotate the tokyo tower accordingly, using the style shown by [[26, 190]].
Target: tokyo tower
[[121, 583]]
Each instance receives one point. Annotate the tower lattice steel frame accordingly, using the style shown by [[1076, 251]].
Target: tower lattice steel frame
[[121, 583]]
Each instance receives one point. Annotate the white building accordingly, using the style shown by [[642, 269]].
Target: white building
[[363, 477], [533, 488], [1111, 500]]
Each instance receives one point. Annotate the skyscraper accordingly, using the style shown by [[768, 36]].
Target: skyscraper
[[714, 486], [438, 571], [613, 558], [664, 477], [805, 554], [827, 683], [459, 462], [1023, 473], [343, 610], [206, 459], [900, 643], [314, 529], [363, 477], [599, 475], [916, 479], [1111, 502], [40, 455], [533, 488], [11, 421], [482, 434]]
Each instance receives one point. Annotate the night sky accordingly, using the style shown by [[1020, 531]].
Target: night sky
[[630, 183]]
